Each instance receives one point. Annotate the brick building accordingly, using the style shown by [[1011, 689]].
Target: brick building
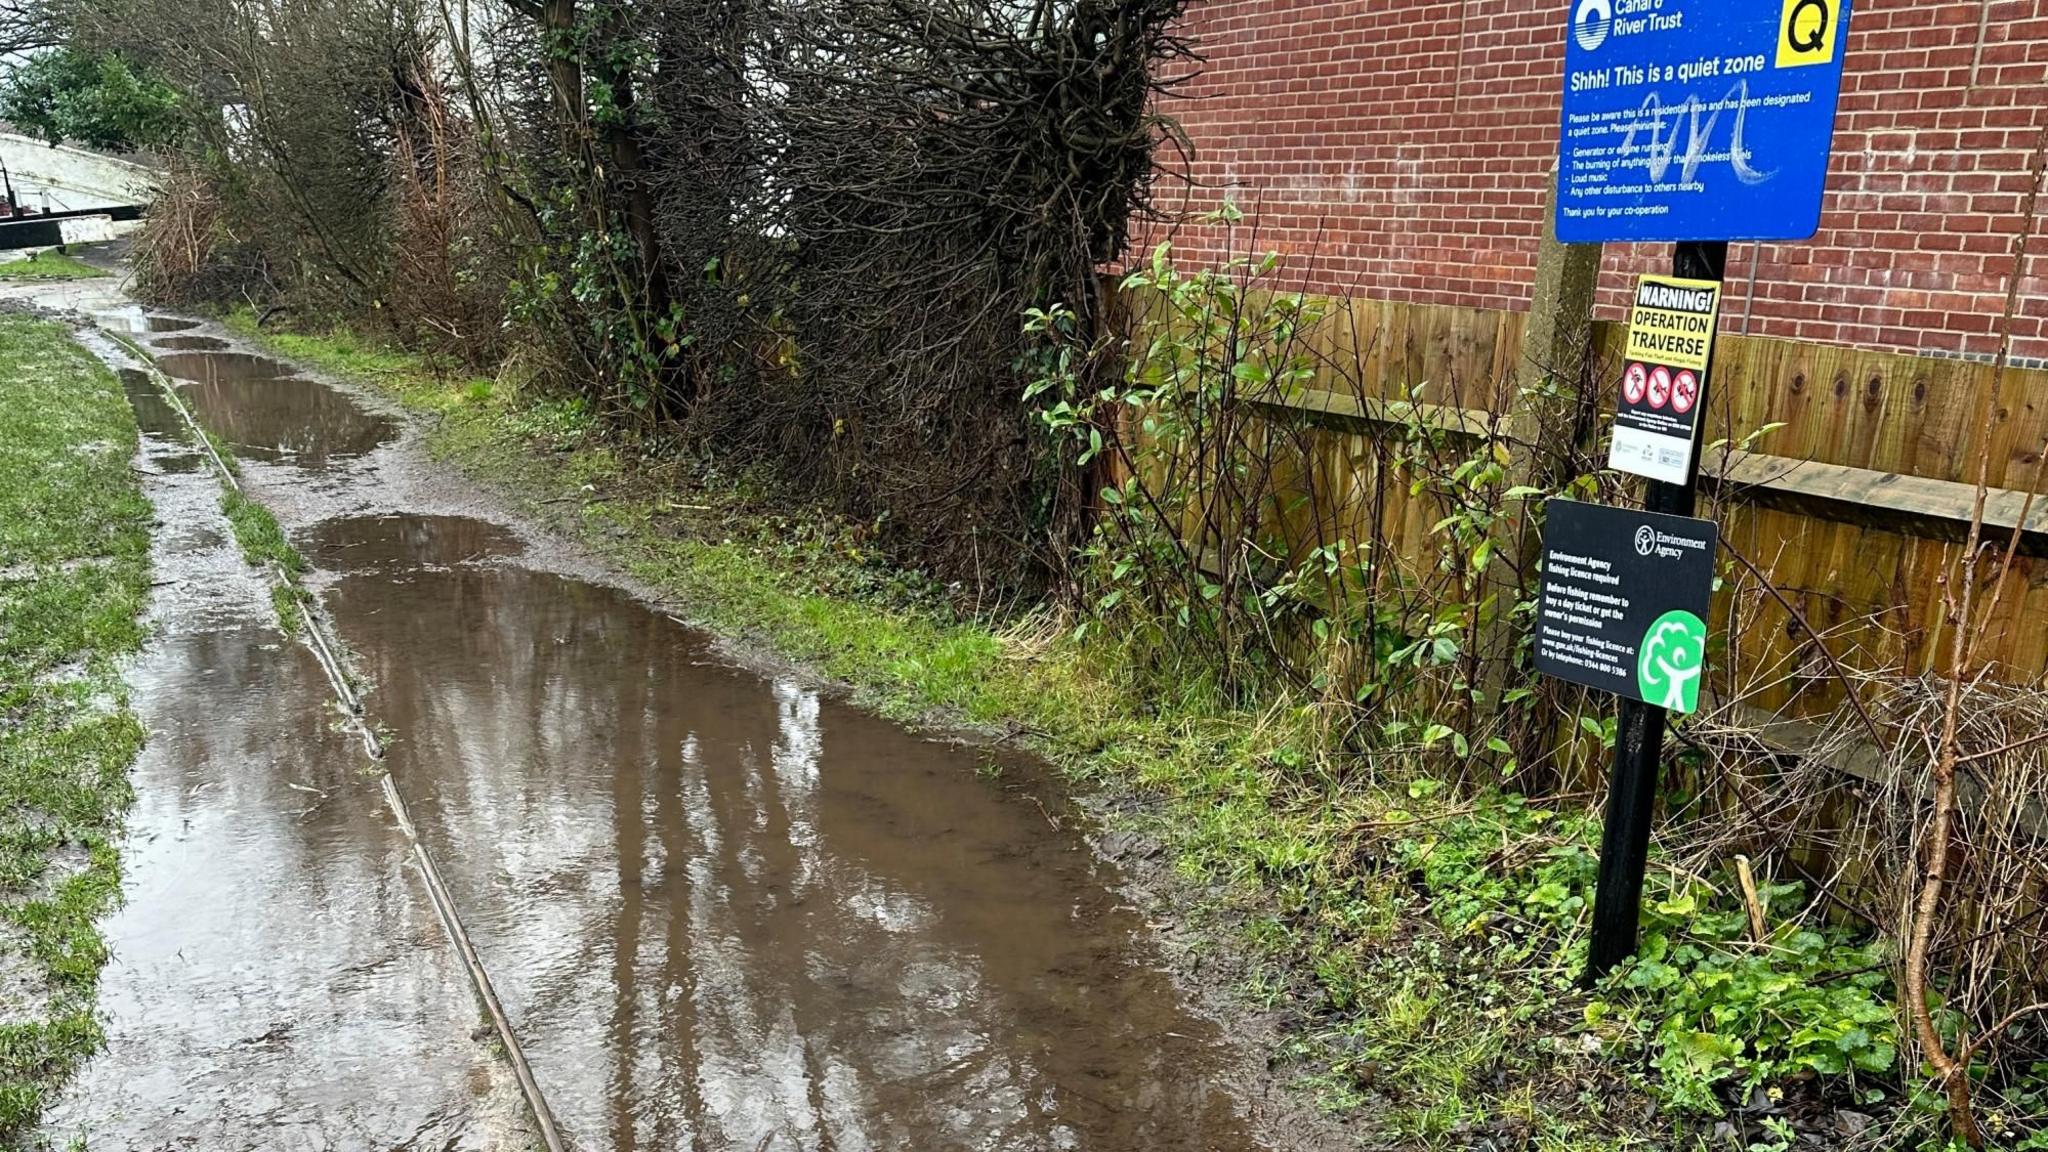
[[1400, 149]]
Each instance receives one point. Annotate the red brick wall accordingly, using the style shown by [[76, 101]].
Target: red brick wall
[[1399, 149]]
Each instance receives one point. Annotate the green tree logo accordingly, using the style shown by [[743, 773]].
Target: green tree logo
[[1673, 654]]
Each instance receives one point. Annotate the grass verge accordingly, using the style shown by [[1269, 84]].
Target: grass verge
[[74, 573], [51, 265], [263, 543], [1422, 946]]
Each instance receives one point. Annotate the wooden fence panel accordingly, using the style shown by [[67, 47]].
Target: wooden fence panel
[[1859, 551]]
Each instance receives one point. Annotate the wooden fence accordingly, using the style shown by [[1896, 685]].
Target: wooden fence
[[1852, 507]]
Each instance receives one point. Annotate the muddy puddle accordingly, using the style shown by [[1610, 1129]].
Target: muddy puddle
[[729, 914], [723, 911], [189, 343], [172, 446], [259, 408]]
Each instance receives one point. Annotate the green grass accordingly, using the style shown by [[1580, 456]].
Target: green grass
[[50, 265], [263, 543], [74, 572], [258, 533]]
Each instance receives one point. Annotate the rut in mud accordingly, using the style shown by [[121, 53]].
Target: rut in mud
[[723, 911]]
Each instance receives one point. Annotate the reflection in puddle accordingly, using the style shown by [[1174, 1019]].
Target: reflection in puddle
[[278, 980], [728, 914], [154, 416], [358, 543], [274, 965], [190, 343], [724, 913], [216, 367], [254, 404], [169, 324], [175, 449]]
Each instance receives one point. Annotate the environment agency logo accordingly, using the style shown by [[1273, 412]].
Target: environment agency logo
[[1646, 540], [1673, 653], [1591, 21]]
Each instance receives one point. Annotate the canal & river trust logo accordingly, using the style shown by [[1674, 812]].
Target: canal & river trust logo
[[1591, 21]]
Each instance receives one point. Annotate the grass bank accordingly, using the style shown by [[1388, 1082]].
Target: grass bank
[[1421, 946], [74, 573], [51, 265]]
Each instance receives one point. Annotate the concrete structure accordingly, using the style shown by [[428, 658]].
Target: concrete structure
[[67, 179]]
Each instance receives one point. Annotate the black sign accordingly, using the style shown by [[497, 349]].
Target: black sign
[[1625, 598]]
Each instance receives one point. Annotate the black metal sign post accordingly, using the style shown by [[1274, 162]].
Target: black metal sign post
[[1639, 727]]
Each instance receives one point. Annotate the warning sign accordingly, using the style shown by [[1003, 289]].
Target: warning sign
[[1670, 342], [1625, 599]]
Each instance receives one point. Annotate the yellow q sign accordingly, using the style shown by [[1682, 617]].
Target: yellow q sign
[[1806, 32]]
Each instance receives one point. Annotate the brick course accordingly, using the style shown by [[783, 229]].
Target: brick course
[[1400, 148]]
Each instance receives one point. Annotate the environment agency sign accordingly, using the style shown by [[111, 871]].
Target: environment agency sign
[[1697, 119], [1625, 600]]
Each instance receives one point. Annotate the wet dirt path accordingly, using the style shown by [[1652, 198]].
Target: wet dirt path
[[723, 911]]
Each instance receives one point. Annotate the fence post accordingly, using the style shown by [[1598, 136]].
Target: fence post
[[1549, 410]]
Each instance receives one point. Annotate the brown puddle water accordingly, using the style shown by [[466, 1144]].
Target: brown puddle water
[[723, 912], [189, 343], [262, 411], [728, 914]]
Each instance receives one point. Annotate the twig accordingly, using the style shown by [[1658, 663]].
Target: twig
[[1757, 929], [2010, 1018]]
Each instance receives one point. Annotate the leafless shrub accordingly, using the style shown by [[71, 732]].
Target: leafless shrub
[[296, 111], [861, 198], [186, 253], [447, 280]]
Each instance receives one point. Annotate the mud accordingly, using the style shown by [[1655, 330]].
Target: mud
[[723, 910]]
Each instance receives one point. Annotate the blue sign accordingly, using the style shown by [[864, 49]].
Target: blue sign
[[1698, 119]]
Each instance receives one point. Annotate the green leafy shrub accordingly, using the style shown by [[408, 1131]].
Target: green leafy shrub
[[1733, 1013], [98, 101], [1711, 1013]]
